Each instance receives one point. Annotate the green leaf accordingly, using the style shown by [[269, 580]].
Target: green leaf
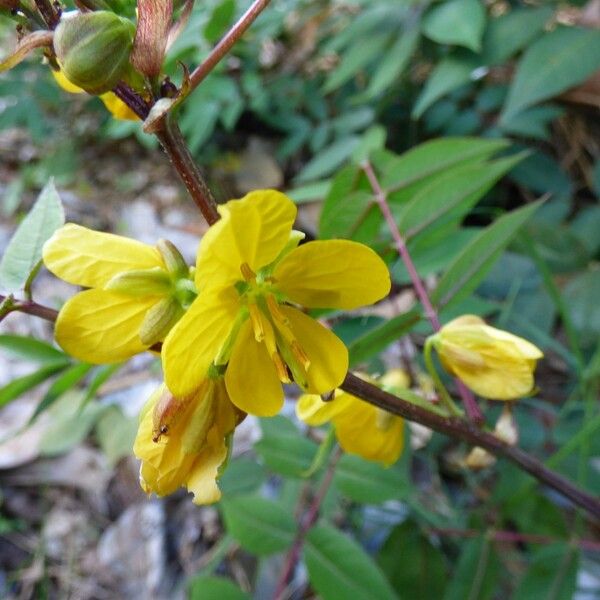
[[329, 159], [581, 296], [367, 482], [476, 573], [309, 192], [553, 64], [393, 62], [283, 448], [115, 432], [70, 423], [354, 59], [381, 336], [242, 476], [415, 567], [449, 74], [436, 156], [219, 21], [16, 387], [339, 568], [261, 526], [512, 32], [459, 22], [478, 257], [71, 377], [31, 349], [102, 375], [215, 588], [552, 574], [24, 250], [451, 196]]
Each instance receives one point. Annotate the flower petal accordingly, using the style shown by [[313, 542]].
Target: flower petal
[[117, 108], [202, 479], [311, 409], [333, 274], [65, 84], [251, 378], [91, 258], [192, 345], [327, 353], [358, 433], [99, 327], [252, 230]]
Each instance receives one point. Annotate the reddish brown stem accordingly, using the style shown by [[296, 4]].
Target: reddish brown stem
[[468, 432], [473, 411], [516, 537], [174, 145], [309, 520], [226, 43], [32, 308]]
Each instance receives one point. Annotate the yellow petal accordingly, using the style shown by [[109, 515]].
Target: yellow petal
[[311, 409], [251, 379], [101, 327], [358, 433], [333, 274], [91, 258], [202, 479], [327, 353], [252, 230], [192, 345], [65, 84], [117, 108]]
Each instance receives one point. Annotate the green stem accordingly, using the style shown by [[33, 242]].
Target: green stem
[[444, 395]]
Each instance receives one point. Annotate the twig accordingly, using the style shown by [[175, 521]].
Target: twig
[[473, 411], [514, 536], [226, 43], [468, 432], [309, 520], [174, 145], [31, 308]]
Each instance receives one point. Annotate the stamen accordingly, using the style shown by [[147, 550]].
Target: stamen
[[257, 322], [281, 368], [300, 355], [247, 273], [276, 313]]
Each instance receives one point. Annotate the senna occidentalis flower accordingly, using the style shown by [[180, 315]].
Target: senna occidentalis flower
[[252, 276]]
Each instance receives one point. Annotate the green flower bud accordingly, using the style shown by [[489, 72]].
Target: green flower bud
[[159, 320], [93, 49], [141, 282], [174, 262]]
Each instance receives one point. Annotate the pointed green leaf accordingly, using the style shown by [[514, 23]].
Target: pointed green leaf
[[473, 263], [261, 526], [16, 387], [339, 568], [31, 349], [556, 62], [24, 250], [459, 22]]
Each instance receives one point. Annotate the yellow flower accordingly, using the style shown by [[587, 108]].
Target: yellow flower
[[138, 292], [113, 103], [249, 271], [185, 442], [360, 427], [495, 364]]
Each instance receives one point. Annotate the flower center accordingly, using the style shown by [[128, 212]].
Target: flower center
[[271, 326]]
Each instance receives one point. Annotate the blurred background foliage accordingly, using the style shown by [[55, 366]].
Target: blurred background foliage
[[469, 112]]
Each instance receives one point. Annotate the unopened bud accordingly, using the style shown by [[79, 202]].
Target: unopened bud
[[93, 49], [159, 320], [141, 282], [174, 262], [201, 419], [479, 458]]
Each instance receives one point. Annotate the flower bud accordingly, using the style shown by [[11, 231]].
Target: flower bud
[[174, 262], [141, 282], [159, 320], [93, 49]]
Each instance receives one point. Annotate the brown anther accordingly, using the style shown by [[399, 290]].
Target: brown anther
[[300, 355], [247, 273], [281, 368]]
